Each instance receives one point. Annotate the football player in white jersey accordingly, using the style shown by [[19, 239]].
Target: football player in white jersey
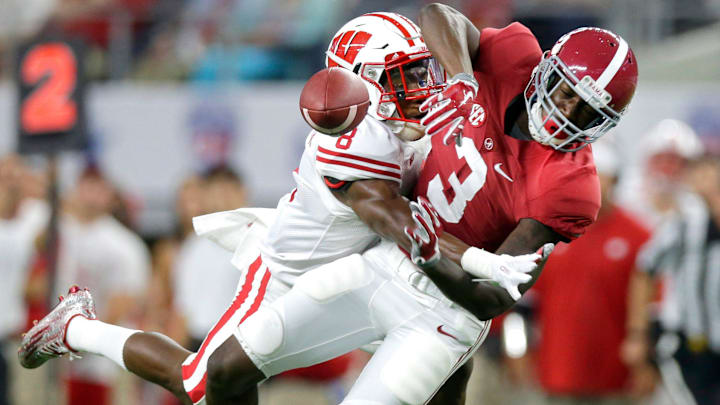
[[349, 190]]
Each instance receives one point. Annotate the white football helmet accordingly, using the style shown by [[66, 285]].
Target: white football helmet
[[378, 46]]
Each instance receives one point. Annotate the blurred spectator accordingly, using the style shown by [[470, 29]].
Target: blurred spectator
[[580, 304], [21, 220], [225, 190], [204, 278], [688, 247], [98, 252], [654, 190], [161, 312]]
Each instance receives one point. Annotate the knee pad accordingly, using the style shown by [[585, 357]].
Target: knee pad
[[263, 332], [417, 369], [334, 279]]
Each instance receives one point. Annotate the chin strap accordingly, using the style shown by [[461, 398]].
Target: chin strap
[[536, 133], [407, 131]]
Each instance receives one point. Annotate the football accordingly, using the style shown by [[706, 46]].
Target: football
[[334, 101]]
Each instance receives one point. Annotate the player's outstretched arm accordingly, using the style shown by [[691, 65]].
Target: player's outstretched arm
[[380, 205], [450, 36], [454, 42], [484, 299]]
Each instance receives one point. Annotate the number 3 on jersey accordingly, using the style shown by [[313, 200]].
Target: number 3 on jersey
[[451, 197]]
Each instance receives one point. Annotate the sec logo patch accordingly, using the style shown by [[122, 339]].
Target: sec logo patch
[[477, 115]]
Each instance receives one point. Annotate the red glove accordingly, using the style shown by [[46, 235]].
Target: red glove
[[449, 109], [424, 238]]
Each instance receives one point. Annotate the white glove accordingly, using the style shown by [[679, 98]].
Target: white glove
[[508, 271]]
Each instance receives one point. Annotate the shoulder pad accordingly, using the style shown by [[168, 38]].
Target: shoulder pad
[[370, 151]]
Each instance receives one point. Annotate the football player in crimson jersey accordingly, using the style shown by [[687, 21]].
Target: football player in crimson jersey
[[509, 169], [347, 187]]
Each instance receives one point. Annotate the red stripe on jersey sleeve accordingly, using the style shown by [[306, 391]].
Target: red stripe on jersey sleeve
[[358, 167], [360, 158]]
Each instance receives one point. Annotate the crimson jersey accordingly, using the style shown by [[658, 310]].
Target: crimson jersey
[[484, 186], [581, 308]]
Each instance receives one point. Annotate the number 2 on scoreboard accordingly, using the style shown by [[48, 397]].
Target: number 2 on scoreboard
[[52, 67]]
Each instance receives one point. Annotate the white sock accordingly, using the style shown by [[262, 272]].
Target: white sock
[[96, 337]]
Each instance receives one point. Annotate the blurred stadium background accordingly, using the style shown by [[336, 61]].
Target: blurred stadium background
[[181, 93]]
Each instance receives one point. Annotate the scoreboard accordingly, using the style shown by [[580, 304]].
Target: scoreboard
[[51, 97]]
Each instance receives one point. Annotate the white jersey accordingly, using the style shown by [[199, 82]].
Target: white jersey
[[312, 227]]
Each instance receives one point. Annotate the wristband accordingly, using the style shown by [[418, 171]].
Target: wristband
[[466, 77], [479, 261]]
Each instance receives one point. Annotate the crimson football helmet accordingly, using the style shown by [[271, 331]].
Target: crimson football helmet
[[388, 52], [600, 67]]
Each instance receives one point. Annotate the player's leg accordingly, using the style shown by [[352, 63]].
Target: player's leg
[[71, 328], [232, 376], [326, 314], [257, 289], [427, 345], [151, 356], [412, 364], [158, 359], [454, 389]]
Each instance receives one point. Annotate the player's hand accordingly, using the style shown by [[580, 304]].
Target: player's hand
[[424, 237], [448, 110], [508, 271]]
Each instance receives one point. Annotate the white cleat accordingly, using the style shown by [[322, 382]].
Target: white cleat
[[46, 339]]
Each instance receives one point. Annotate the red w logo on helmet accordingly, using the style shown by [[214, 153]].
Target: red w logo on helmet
[[347, 45]]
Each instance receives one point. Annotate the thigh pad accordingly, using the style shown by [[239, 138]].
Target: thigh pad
[[334, 279]]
